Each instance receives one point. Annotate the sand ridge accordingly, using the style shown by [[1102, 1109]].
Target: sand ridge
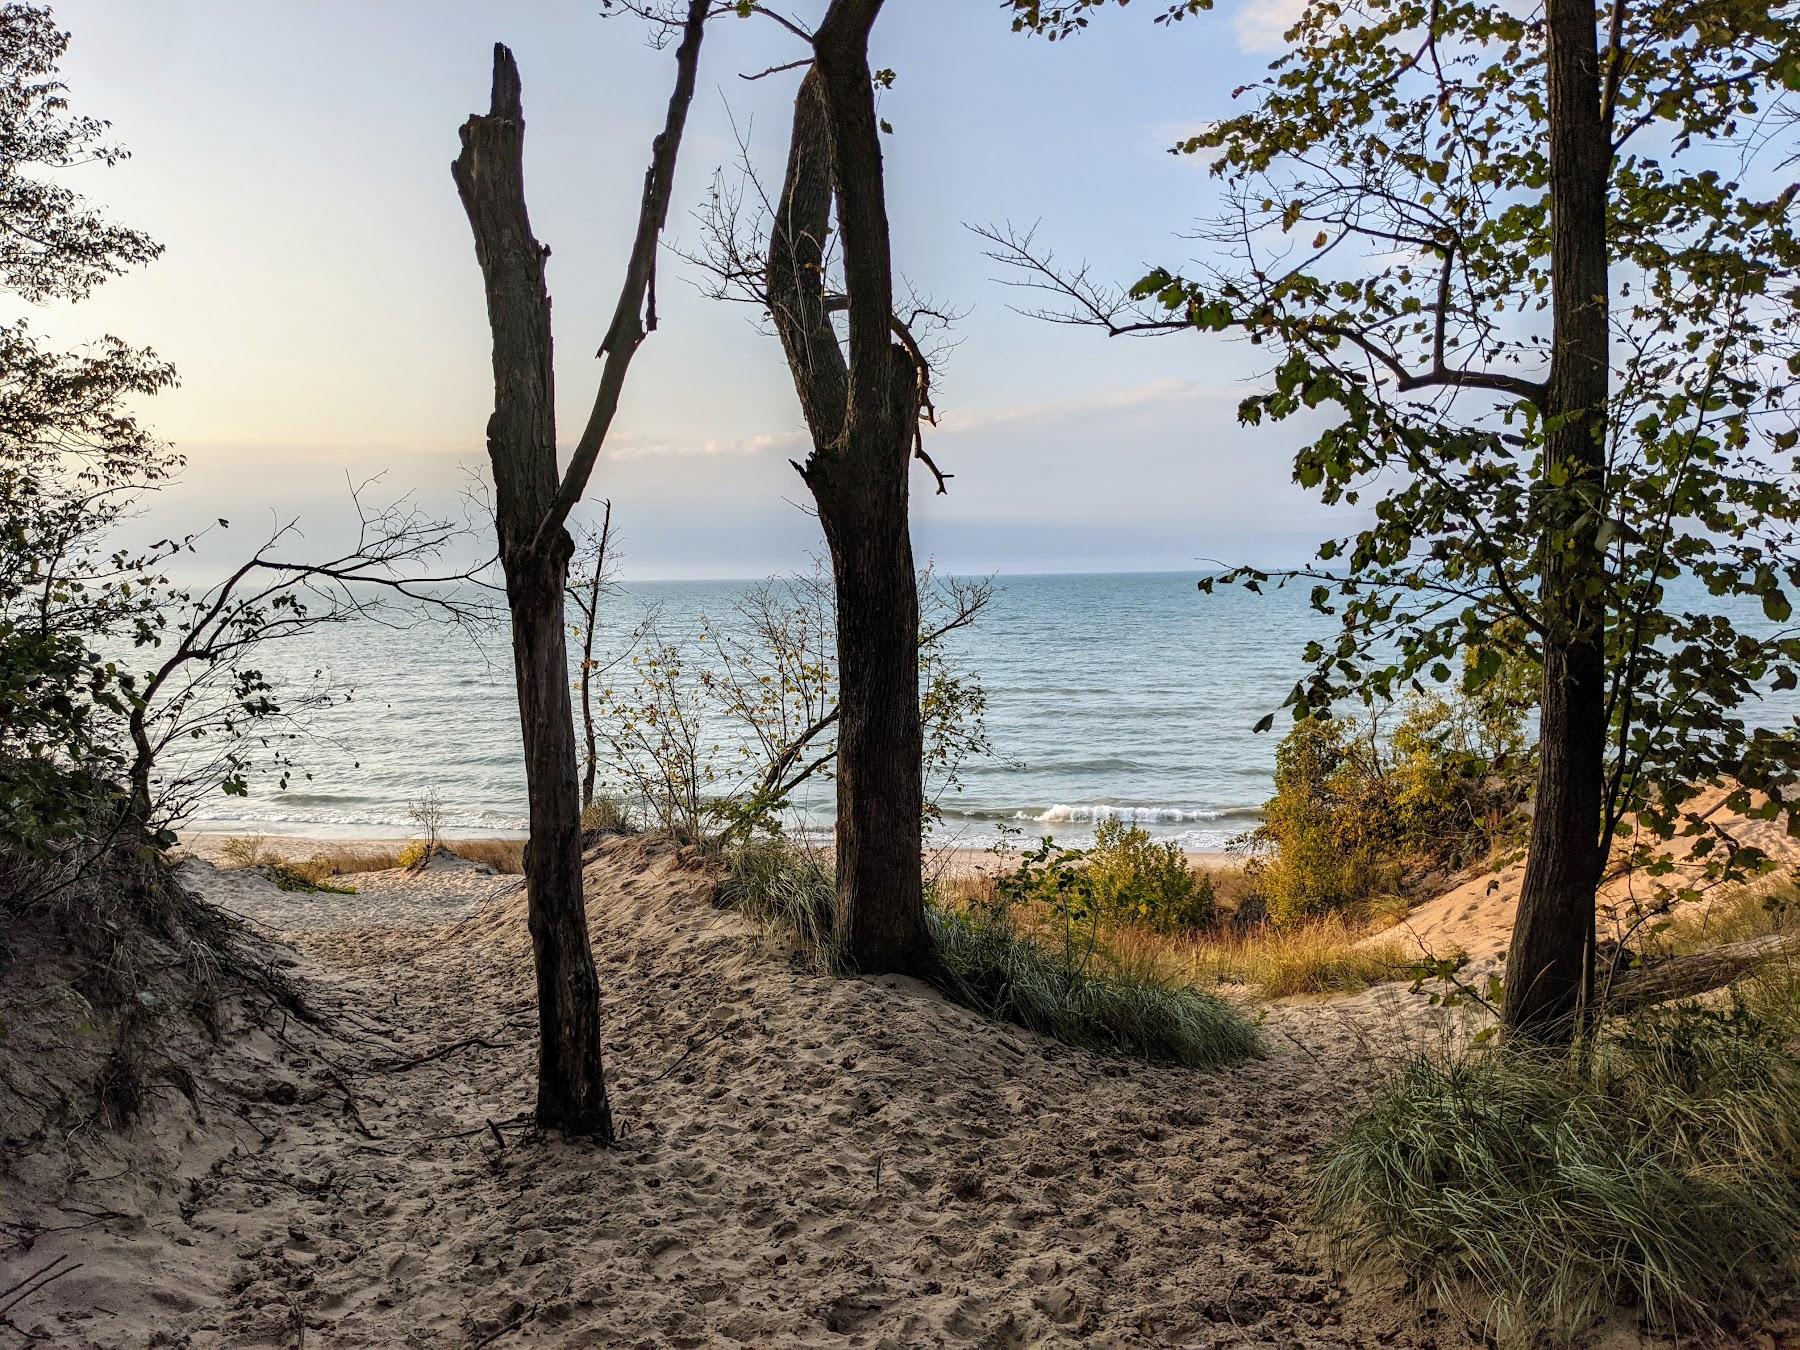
[[803, 1161]]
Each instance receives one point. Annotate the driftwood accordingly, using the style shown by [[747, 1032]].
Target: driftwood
[[1686, 976]]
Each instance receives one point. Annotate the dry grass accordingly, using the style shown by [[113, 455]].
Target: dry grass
[[503, 855], [319, 865], [1316, 957]]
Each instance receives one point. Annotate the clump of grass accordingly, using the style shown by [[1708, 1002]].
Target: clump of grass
[[503, 855], [1010, 977], [785, 888], [1316, 956], [1660, 1170], [303, 877], [313, 874], [607, 815], [1320, 956], [987, 965]]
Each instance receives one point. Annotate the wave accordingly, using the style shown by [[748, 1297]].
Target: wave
[[1092, 813]]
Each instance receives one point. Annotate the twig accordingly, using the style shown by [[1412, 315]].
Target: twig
[[35, 1283], [442, 1052]]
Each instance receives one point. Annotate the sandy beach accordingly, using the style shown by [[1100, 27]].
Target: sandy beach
[[803, 1160]]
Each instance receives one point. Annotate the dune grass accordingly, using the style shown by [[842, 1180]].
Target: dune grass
[[1660, 1171], [1332, 954], [1000, 972], [1011, 977], [318, 870], [1319, 956]]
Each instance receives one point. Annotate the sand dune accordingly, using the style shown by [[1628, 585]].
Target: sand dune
[[803, 1161]]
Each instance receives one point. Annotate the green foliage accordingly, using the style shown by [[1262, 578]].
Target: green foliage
[[1537, 1193], [1060, 991], [1386, 238], [1123, 878], [1356, 814]]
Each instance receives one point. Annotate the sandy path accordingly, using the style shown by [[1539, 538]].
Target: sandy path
[[804, 1161]]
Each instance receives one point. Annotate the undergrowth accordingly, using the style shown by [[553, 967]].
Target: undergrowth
[[989, 966], [1659, 1171]]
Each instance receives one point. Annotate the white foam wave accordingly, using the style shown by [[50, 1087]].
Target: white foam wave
[[1091, 813]]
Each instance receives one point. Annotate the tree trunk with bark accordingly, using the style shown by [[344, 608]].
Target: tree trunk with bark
[[863, 414], [532, 505], [1549, 973]]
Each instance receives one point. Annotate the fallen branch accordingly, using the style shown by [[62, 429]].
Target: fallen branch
[[36, 1282], [1687, 976]]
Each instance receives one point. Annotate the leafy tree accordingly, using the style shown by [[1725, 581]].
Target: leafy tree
[[1540, 267], [72, 456]]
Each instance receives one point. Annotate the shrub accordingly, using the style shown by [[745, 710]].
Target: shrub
[[1660, 1170], [1123, 878], [1137, 881], [1356, 816]]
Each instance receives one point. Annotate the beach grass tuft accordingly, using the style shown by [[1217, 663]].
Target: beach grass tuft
[[1659, 1170], [1010, 977]]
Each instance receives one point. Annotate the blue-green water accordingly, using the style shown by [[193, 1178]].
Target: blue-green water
[[1114, 694]]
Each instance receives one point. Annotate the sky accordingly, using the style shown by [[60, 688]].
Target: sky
[[320, 297]]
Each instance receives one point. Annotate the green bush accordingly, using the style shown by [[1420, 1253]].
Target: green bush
[[1356, 815], [1660, 1171], [1137, 881]]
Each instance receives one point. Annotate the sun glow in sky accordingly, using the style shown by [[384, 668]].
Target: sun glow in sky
[[320, 296]]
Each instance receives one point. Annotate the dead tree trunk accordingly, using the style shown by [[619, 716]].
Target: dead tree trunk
[[863, 413], [1549, 974], [532, 503]]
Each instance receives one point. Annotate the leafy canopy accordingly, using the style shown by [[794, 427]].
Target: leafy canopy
[[1385, 235]]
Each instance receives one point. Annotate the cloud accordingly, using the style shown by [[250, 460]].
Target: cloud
[[1259, 25], [1161, 393], [640, 447]]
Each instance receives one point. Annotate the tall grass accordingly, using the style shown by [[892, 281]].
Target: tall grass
[[1010, 977], [316, 870], [1660, 1171], [1001, 973], [1321, 956]]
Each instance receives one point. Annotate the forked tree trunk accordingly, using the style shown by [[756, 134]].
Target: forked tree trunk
[[1549, 972], [532, 504], [522, 449], [863, 414]]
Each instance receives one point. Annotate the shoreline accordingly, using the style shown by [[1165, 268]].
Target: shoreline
[[943, 860]]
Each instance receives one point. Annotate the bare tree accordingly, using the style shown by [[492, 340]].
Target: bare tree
[[595, 579], [200, 717], [533, 502]]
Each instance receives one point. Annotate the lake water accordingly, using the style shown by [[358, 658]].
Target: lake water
[[1114, 694]]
